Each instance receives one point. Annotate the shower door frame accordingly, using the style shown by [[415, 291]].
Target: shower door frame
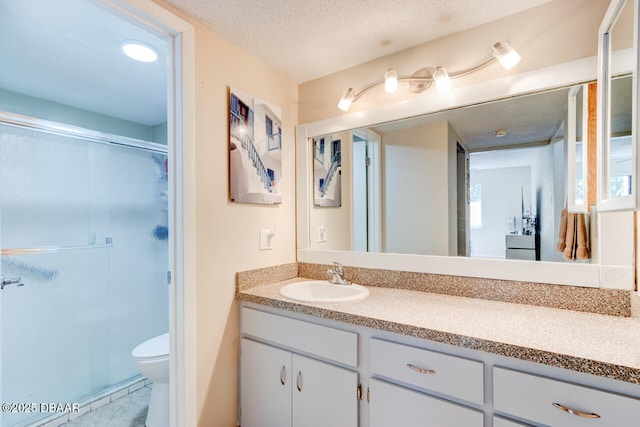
[[182, 207]]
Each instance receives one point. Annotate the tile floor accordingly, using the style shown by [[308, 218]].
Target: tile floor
[[127, 411]]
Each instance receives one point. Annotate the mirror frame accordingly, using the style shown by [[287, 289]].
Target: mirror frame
[[577, 274], [625, 61]]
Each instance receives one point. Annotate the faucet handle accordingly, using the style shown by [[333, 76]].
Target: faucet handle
[[337, 266]]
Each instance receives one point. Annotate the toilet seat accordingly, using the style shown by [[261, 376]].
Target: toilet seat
[[155, 348]]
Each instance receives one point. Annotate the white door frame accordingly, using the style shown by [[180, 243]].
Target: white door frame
[[182, 215]]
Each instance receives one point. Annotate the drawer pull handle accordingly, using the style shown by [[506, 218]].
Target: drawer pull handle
[[422, 371], [299, 381], [283, 375], [574, 412]]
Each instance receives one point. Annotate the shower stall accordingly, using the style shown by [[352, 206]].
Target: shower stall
[[84, 240]]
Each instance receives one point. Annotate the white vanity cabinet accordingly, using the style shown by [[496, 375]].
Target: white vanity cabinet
[[560, 404], [283, 384], [305, 371]]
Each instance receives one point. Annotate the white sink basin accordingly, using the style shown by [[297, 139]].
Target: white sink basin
[[323, 291]]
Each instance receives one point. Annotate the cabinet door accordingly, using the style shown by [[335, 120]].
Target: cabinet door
[[265, 385], [323, 395], [392, 405]]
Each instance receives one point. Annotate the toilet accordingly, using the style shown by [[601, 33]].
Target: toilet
[[152, 360]]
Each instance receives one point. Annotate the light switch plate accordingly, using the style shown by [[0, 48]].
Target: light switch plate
[[266, 239], [322, 233]]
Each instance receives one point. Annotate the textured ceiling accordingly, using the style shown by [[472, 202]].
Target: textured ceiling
[[307, 39]]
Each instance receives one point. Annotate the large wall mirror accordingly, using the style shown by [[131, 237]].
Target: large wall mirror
[[471, 181], [450, 183]]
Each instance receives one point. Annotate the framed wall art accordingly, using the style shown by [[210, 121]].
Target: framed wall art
[[255, 149]]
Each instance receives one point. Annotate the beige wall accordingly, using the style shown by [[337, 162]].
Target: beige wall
[[553, 33], [415, 170], [228, 233]]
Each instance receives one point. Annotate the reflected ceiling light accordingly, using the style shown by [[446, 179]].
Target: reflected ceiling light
[[391, 80], [424, 77], [139, 51]]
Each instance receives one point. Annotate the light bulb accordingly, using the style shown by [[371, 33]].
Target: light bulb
[[441, 77], [506, 55], [391, 80], [347, 98]]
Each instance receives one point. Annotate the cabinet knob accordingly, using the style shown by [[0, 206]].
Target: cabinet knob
[[575, 412]]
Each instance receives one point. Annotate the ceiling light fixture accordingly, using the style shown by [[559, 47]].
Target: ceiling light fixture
[[423, 78], [139, 51]]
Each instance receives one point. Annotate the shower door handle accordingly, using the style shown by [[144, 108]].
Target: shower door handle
[[10, 281]]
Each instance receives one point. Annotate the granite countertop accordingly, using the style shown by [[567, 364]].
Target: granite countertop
[[602, 345]]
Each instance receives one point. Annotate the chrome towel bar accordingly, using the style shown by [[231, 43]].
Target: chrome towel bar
[[51, 249]]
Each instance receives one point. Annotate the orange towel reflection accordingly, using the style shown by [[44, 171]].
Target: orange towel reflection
[[573, 239]]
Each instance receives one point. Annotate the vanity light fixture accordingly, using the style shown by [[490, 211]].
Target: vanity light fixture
[[139, 51], [442, 79], [423, 78], [391, 80]]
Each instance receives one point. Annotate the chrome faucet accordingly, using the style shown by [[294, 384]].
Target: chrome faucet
[[337, 275]]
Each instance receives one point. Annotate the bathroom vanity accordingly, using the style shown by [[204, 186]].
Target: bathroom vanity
[[522, 246], [401, 357]]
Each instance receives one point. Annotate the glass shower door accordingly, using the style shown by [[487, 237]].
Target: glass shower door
[[52, 223], [84, 224]]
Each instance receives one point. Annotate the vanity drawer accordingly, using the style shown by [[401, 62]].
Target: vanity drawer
[[450, 375], [533, 398], [393, 405], [322, 341]]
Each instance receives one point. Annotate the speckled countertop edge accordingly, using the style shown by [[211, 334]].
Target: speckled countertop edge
[[606, 346]]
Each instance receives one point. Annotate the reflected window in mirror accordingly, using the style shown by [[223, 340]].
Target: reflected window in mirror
[[577, 149], [475, 205], [620, 143]]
